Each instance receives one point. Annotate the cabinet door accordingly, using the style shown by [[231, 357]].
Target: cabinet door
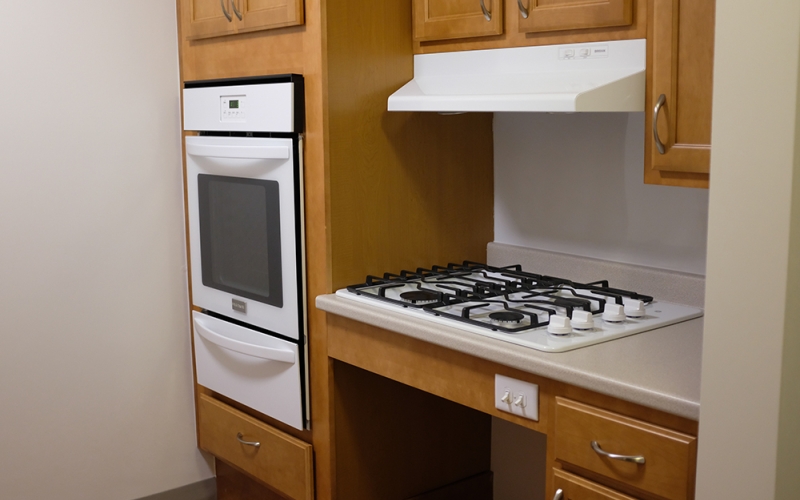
[[574, 487], [206, 18], [265, 14], [444, 19], [681, 59], [554, 15]]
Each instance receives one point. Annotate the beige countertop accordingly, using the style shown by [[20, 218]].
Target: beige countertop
[[659, 369]]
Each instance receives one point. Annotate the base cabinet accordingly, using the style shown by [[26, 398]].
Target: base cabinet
[[627, 451], [282, 462], [571, 487]]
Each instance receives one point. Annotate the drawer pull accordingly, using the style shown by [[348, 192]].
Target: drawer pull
[[559, 494], [254, 444], [637, 459]]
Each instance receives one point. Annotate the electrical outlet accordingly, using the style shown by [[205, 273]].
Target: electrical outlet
[[517, 397]]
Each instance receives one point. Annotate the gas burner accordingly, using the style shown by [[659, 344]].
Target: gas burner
[[507, 303], [420, 297], [506, 317]]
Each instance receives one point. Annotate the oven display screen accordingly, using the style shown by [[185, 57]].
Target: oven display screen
[[233, 104]]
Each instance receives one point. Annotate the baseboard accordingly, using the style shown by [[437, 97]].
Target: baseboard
[[201, 490]]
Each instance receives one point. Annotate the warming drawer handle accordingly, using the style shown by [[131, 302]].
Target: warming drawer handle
[[256, 351], [248, 152], [660, 145], [486, 13], [225, 11], [637, 459], [254, 444]]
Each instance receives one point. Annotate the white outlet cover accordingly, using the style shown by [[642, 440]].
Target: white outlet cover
[[530, 393]]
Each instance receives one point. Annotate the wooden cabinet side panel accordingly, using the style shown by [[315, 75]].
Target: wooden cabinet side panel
[[555, 15], [445, 19]]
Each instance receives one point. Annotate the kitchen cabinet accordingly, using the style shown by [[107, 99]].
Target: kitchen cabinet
[[212, 18], [449, 19], [680, 63], [633, 452], [571, 417], [280, 460]]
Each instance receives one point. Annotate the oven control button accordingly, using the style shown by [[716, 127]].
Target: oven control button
[[559, 325], [634, 308], [613, 313], [582, 320]]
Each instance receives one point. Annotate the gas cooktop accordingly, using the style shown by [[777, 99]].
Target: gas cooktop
[[506, 303]]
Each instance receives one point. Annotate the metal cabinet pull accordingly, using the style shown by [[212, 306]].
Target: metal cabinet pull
[[559, 494], [235, 10], [486, 13], [524, 13], [660, 145], [637, 459], [254, 444], [225, 11]]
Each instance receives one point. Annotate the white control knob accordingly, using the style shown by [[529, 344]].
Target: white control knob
[[582, 320], [634, 308], [613, 313], [559, 325]]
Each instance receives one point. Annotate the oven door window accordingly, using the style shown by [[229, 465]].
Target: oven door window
[[240, 237]]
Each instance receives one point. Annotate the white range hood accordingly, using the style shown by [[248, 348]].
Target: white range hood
[[604, 76]]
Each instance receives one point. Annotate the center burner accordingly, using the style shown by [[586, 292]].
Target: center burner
[[517, 306]]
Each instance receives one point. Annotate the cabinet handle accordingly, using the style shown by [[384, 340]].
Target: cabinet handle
[[559, 494], [637, 459], [660, 145], [486, 13], [235, 10], [524, 13], [225, 11], [254, 444]]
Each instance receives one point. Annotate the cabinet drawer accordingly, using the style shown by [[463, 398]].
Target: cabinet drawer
[[577, 488], [280, 460], [669, 456]]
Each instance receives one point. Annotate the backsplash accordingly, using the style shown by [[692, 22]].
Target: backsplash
[[572, 183]]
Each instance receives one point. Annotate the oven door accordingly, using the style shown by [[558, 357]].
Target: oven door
[[244, 230]]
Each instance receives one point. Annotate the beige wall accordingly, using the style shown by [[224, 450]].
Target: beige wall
[[95, 368], [749, 400]]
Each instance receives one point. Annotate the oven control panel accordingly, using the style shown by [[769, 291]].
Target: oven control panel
[[233, 108]]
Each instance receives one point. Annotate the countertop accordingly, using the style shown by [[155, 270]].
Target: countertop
[[658, 369]]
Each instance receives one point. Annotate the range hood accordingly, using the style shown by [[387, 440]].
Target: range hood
[[604, 76]]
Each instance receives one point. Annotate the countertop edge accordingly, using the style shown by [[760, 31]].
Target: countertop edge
[[535, 362]]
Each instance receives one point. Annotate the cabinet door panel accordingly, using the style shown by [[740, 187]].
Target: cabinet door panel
[[577, 488], [681, 39], [554, 15], [445, 19], [263, 14], [205, 18]]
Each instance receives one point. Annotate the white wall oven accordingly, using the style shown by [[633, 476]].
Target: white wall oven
[[245, 210]]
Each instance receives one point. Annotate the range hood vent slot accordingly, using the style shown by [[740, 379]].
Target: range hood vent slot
[[604, 76]]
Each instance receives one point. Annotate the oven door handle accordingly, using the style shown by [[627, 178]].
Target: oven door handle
[[256, 351], [246, 152]]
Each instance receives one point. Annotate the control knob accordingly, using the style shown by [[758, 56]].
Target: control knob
[[613, 313], [559, 325]]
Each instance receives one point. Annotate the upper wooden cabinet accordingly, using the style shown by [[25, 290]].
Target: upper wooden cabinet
[[446, 19], [554, 15], [680, 64], [210, 18]]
